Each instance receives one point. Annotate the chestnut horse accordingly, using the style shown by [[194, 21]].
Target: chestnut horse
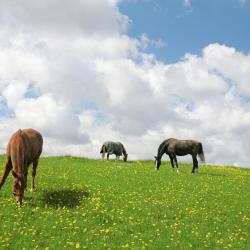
[[24, 148]]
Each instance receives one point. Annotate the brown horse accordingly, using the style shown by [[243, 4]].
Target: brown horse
[[24, 148]]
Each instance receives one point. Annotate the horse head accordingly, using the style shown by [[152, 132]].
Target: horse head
[[18, 187], [157, 163], [125, 157]]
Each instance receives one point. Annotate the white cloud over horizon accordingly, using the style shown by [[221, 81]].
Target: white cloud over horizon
[[80, 80]]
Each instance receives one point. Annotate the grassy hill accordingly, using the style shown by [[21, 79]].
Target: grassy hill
[[93, 204]]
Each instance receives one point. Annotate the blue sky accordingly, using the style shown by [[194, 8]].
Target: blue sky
[[188, 28]]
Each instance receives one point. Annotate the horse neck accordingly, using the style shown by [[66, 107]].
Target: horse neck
[[17, 154], [161, 150]]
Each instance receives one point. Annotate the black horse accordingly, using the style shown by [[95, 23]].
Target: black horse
[[116, 148], [173, 147]]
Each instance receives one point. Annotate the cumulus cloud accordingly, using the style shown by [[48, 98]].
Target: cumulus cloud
[[229, 64], [59, 17], [14, 92], [69, 70]]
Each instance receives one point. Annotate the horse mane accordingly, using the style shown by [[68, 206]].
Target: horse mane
[[162, 147]]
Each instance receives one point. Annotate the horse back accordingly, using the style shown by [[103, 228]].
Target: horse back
[[24, 146], [33, 141], [120, 147], [114, 147], [183, 147]]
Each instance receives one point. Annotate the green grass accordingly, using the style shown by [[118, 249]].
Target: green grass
[[94, 204]]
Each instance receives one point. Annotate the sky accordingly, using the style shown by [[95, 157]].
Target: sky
[[136, 71], [189, 26]]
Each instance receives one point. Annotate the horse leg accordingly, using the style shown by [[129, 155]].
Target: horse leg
[[176, 163], [193, 169], [35, 163], [25, 180], [7, 168], [172, 162], [103, 152], [103, 156], [107, 156], [195, 164]]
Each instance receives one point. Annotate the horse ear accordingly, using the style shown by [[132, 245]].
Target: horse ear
[[14, 174]]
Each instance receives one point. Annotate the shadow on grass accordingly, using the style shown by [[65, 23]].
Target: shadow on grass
[[64, 198]]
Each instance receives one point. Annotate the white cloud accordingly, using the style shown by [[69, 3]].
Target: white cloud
[[14, 92], [187, 3], [146, 42], [229, 64], [188, 6], [57, 17], [81, 82], [242, 2]]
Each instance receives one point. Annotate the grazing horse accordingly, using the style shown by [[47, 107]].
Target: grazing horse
[[24, 148], [116, 148], [173, 147]]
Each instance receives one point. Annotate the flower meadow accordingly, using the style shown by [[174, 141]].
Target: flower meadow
[[92, 204]]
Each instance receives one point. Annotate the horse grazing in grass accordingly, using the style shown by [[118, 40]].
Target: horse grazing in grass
[[116, 148], [173, 147], [24, 148]]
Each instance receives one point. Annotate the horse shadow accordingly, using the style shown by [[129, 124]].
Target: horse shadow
[[69, 198]]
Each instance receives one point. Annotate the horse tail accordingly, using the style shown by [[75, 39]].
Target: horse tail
[[102, 148], [103, 151], [201, 153]]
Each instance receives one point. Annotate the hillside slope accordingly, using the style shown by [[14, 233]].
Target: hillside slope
[[94, 204]]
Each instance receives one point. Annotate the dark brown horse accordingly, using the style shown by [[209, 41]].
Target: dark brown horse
[[173, 147], [24, 148]]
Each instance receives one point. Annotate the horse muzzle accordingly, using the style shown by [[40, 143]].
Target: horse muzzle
[[19, 198]]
